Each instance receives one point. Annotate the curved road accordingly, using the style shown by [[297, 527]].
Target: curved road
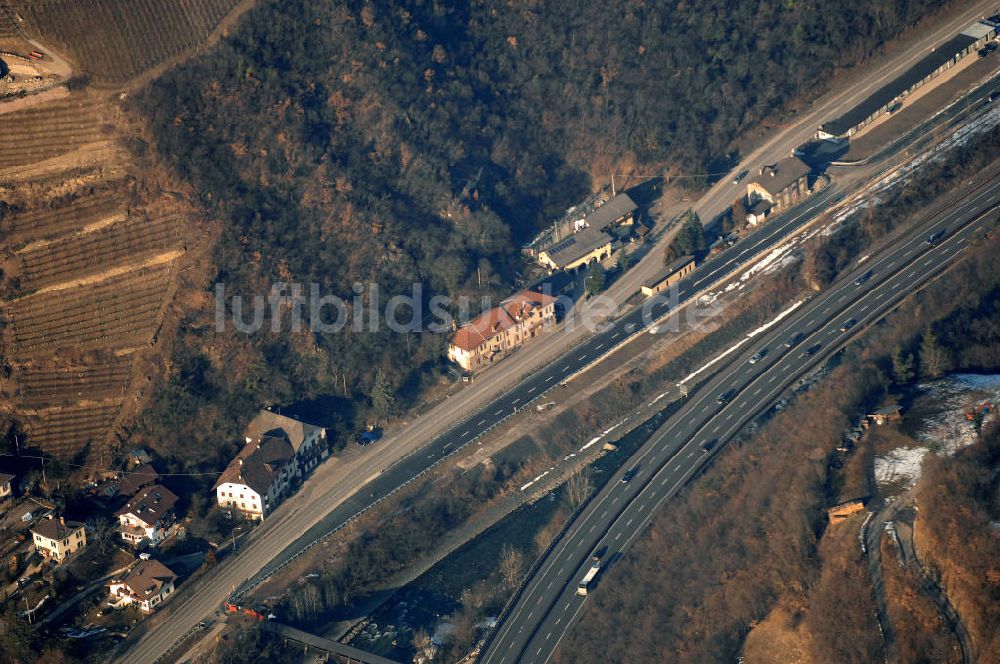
[[339, 490], [548, 606]]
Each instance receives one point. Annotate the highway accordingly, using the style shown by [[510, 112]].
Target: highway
[[342, 488], [548, 606]]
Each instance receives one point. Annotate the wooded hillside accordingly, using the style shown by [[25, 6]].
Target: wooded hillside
[[397, 142]]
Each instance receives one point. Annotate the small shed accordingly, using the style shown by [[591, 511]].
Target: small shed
[[845, 510], [886, 414]]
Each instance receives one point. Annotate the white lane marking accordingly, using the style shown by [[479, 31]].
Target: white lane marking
[[465, 433], [598, 346], [498, 412], [481, 422], [615, 335], [549, 378], [531, 390]]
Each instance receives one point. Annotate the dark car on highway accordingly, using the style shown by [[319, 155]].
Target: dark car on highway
[[794, 339], [812, 350], [630, 475], [758, 356], [864, 277], [739, 176], [726, 397], [848, 324], [709, 444], [935, 237]]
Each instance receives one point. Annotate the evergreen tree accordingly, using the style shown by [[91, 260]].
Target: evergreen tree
[[935, 360], [383, 396], [690, 239], [902, 367], [595, 279]]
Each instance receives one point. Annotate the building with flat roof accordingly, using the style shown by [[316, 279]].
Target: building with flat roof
[[888, 97], [671, 274]]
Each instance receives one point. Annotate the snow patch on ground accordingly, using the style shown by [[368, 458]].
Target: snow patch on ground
[[901, 464], [940, 406]]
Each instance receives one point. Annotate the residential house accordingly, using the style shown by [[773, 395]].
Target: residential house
[[280, 448], [671, 274], [147, 516], [57, 538], [133, 480], [493, 334], [781, 185], [6, 486], [259, 476], [147, 585], [308, 441]]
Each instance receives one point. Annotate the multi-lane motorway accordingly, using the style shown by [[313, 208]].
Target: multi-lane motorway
[[595, 347], [548, 605], [341, 489]]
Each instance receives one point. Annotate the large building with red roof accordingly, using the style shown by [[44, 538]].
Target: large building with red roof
[[485, 340]]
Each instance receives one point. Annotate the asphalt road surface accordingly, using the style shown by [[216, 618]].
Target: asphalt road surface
[[549, 604], [333, 492]]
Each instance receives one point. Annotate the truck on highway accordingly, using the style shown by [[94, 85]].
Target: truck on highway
[[588, 578]]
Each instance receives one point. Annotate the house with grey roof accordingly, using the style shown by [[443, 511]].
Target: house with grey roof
[[781, 185], [279, 450]]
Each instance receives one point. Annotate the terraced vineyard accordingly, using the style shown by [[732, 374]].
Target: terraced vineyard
[[117, 39], [86, 253], [50, 386], [92, 245], [50, 221], [55, 128], [66, 431], [119, 311]]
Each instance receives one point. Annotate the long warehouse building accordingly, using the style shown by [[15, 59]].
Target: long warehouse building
[[887, 97]]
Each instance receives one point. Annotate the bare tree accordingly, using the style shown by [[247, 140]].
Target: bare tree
[[511, 565], [101, 532], [578, 488]]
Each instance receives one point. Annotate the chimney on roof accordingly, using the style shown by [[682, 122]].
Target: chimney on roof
[[241, 461]]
